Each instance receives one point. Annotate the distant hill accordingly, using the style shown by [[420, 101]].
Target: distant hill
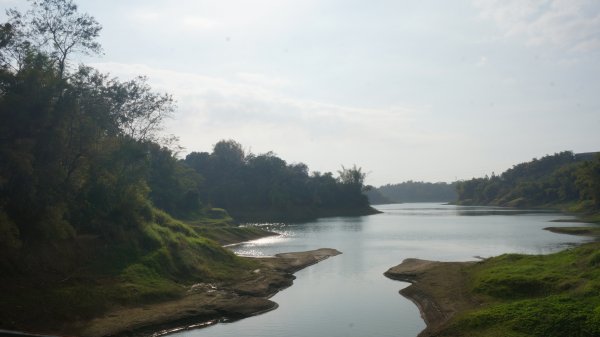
[[563, 179], [413, 191]]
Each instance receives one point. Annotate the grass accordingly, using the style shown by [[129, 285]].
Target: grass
[[156, 263], [592, 218], [219, 226], [583, 230], [535, 295], [230, 234]]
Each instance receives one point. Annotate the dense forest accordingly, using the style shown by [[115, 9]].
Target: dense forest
[[413, 191], [92, 193], [563, 179]]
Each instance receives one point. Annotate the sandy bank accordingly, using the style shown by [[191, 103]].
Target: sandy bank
[[205, 304], [439, 289]]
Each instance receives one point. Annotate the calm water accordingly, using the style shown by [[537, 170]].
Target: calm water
[[348, 295]]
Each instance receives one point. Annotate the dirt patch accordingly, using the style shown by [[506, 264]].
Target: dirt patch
[[439, 289]]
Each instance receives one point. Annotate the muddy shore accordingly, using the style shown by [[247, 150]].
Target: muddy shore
[[439, 289], [205, 304]]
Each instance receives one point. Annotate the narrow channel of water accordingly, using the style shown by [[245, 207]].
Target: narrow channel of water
[[348, 295]]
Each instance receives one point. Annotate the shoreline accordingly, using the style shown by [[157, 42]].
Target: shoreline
[[443, 293], [301, 215], [437, 304], [590, 231], [207, 304]]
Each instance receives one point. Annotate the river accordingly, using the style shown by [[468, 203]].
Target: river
[[348, 295]]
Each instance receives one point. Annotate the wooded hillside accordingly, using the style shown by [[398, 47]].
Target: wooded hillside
[[562, 179]]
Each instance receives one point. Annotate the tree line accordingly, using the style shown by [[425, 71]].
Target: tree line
[[264, 185], [413, 191], [561, 179]]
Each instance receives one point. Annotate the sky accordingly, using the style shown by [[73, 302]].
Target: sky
[[407, 90]]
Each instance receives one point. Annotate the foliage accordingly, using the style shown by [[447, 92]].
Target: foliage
[[140, 111], [414, 191], [76, 150], [243, 183], [65, 163], [155, 264], [53, 27], [376, 197], [352, 176], [541, 295], [588, 182], [560, 179]]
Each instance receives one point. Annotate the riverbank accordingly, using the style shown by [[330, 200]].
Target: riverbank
[[510, 295], [92, 287], [593, 231], [206, 303], [437, 304], [299, 214]]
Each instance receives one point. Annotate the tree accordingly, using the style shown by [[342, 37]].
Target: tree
[[558, 179], [76, 150], [229, 152], [55, 28], [174, 186], [32, 149], [245, 183], [139, 111], [13, 50], [352, 176], [588, 181]]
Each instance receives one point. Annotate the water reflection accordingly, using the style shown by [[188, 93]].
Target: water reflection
[[352, 224], [253, 248], [446, 210], [508, 211]]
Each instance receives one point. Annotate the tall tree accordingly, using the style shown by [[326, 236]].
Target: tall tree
[[139, 110], [352, 176], [56, 28]]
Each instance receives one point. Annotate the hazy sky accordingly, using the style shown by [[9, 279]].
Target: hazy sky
[[421, 90]]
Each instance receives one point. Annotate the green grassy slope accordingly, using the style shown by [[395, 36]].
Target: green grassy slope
[[537, 295], [151, 266]]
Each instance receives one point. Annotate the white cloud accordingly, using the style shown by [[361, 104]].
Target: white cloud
[[509, 81], [197, 23], [566, 24], [252, 100], [263, 80], [146, 16], [257, 115], [482, 62], [156, 18], [261, 16]]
